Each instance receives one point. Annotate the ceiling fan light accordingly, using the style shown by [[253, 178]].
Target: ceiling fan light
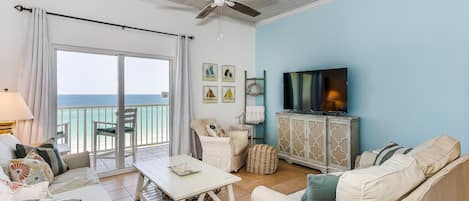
[[219, 2]]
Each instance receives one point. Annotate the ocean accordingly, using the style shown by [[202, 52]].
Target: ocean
[[108, 100], [80, 112]]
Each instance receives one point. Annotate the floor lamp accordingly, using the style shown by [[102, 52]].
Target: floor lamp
[[12, 109]]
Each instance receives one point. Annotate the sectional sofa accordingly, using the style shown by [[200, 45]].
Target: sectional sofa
[[446, 177], [80, 182]]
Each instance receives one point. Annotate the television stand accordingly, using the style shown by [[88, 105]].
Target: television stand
[[325, 142]]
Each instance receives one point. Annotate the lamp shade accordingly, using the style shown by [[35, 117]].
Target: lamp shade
[[13, 107]]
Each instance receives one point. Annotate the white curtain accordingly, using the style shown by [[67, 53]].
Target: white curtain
[[182, 140], [36, 83]]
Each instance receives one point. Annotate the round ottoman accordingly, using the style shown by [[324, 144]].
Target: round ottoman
[[262, 159]]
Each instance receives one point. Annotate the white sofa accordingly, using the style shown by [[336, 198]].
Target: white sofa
[[448, 183], [227, 153], [80, 182]]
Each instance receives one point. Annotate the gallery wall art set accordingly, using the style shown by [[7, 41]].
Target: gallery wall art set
[[210, 72]]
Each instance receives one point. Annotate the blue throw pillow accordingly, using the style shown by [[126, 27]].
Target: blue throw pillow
[[320, 187]]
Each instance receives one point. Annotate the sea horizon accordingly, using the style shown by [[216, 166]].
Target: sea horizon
[[76, 100]]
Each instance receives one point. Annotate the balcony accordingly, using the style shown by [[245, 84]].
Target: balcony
[[152, 131]]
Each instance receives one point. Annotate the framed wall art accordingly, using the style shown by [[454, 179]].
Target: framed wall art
[[229, 94], [210, 94], [210, 72], [228, 73]]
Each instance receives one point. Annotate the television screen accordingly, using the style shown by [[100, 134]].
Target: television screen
[[316, 91]]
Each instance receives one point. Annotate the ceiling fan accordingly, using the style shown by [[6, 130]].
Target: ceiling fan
[[229, 3]]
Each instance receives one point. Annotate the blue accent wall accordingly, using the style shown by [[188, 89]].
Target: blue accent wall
[[408, 64]]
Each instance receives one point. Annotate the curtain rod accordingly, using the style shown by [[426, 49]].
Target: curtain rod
[[21, 8]]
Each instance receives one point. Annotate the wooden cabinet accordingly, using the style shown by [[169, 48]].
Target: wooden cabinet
[[283, 131], [326, 143]]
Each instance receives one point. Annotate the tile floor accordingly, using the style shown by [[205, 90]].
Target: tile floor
[[288, 179]]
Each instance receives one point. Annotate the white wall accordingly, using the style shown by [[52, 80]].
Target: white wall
[[236, 48]]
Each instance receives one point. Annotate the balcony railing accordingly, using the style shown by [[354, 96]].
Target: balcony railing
[[152, 125]]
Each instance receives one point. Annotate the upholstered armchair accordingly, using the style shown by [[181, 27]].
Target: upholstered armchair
[[227, 153]]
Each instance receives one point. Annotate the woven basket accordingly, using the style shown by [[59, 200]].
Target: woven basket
[[262, 159]]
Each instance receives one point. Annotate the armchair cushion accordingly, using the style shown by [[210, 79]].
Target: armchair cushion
[[113, 130], [199, 126]]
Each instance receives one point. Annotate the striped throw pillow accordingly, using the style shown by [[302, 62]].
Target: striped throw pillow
[[50, 154], [388, 151]]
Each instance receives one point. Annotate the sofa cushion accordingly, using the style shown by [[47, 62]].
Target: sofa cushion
[[15, 191], [29, 171], [321, 187], [88, 193], [74, 179], [387, 182], [436, 153], [7, 148]]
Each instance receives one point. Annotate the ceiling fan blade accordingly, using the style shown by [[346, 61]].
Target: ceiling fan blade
[[243, 8], [206, 11]]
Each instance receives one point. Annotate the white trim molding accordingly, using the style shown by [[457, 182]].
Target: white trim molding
[[293, 12]]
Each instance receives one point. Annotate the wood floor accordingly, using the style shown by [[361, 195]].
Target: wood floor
[[288, 179]]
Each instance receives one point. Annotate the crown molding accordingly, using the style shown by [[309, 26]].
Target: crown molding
[[293, 12]]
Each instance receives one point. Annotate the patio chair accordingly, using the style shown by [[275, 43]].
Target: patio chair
[[62, 136], [108, 129]]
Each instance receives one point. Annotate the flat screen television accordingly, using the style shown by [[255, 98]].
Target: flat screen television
[[315, 91]]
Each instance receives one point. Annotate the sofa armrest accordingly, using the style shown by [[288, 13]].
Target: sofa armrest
[[79, 160], [262, 193]]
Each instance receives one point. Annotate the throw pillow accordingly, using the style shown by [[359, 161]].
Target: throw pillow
[[215, 130], [388, 151], [22, 150], [29, 171], [47, 170], [320, 187], [50, 154]]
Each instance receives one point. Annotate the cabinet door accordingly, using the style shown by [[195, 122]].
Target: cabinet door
[[298, 138], [317, 142], [283, 132], [339, 144]]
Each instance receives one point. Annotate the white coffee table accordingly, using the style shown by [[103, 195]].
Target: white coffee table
[[184, 187]]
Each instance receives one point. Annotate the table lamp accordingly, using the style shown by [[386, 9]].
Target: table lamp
[[12, 109]]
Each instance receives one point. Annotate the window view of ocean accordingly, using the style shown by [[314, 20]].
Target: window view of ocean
[[108, 100], [77, 114]]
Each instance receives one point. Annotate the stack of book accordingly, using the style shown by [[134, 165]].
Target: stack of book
[[6, 127]]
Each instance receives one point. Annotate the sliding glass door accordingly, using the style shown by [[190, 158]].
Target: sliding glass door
[[113, 105], [147, 90]]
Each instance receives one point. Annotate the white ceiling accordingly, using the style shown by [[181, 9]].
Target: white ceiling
[[268, 8]]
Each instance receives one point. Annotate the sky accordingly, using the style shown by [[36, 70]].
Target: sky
[[83, 73]]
